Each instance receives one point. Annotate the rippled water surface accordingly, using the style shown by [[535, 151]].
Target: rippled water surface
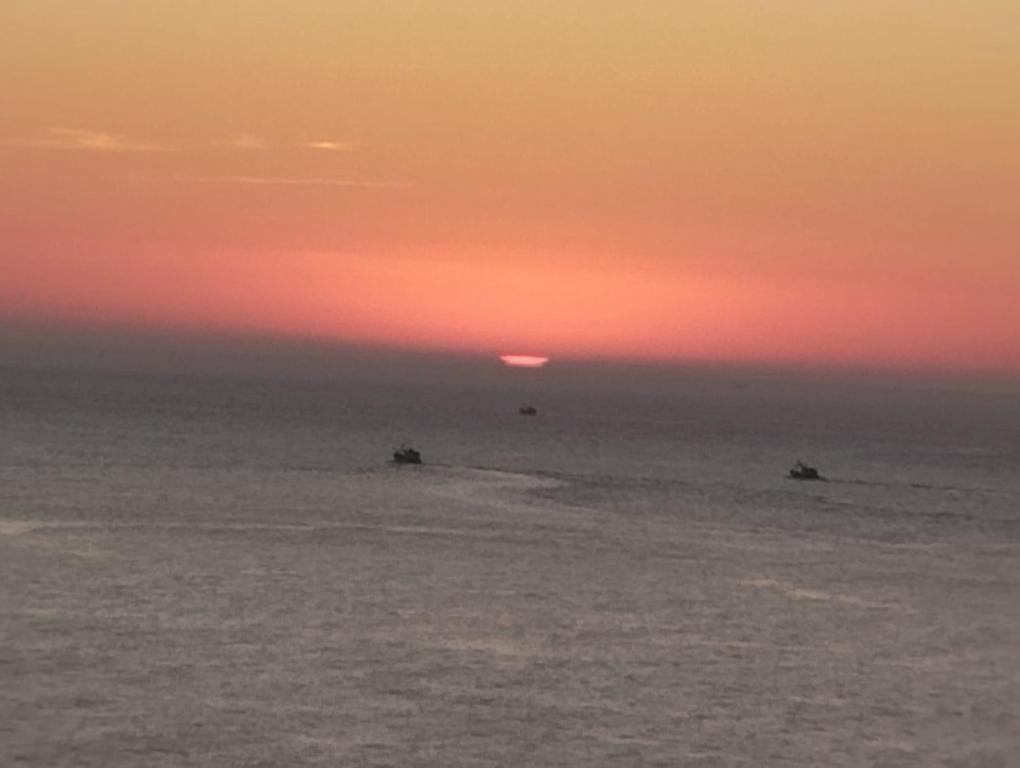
[[218, 572]]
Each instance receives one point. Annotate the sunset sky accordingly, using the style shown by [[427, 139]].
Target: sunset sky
[[779, 181]]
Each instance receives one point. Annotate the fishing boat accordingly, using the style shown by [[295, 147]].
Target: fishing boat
[[802, 471], [406, 455]]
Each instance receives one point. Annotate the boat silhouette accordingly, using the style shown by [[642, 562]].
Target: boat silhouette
[[802, 471], [406, 455]]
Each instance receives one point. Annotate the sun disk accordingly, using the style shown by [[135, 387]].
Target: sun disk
[[524, 361]]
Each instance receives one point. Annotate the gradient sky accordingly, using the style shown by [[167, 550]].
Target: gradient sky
[[773, 181]]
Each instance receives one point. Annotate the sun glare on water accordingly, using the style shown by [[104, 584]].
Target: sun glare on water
[[524, 361]]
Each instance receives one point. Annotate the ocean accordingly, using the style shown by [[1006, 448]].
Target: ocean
[[220, 570]]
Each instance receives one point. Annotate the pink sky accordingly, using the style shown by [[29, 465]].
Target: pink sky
[[786, 182]]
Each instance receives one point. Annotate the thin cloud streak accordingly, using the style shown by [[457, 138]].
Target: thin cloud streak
[[330, 146], [246, 141], [86, 140], [83, 140], [298, 182]]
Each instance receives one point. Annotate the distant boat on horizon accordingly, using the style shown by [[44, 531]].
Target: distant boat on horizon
[[527, 410]]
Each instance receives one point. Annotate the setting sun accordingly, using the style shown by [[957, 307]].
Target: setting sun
[[524, 361]]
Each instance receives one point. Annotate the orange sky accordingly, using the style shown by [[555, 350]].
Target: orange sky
[[785, 181]]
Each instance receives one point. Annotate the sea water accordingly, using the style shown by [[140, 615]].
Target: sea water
[[227, 571]]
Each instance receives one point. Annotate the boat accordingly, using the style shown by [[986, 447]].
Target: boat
[[528, 410], [406, 455], [802, 471]]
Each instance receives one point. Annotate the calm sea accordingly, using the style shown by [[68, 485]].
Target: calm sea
[[220, 571]]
